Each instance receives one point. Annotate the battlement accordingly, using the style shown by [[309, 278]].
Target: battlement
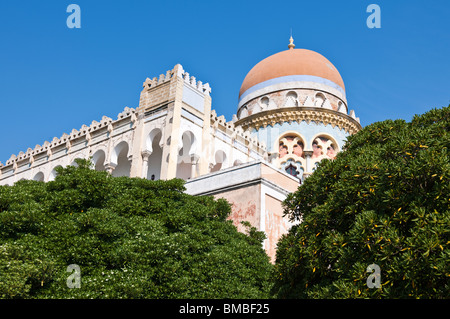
[[164, 89], [177, 71], [67, 139], [237, 133]]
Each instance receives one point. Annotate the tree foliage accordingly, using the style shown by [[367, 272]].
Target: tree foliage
[[384, 200], [131, 238]]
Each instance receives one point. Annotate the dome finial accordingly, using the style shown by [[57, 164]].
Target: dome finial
[[291, 45]]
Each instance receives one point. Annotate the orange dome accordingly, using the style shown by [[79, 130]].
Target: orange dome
[[292, 62]]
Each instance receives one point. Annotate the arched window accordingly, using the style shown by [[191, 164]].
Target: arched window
[[39, 177], [319, 99], [291, 170], [324, 146], [184, 166], [264, 103], [220, 160], [291, 99], [121, 160], [291, 145], [99, 160]]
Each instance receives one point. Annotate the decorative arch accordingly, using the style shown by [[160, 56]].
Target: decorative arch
[[324, 146], [291, 99], [72, 162], [291, 156], [300, 136], [264, 102], [120, 160], [39, 177], [294, 168], [319, 99], [99, 159], [220, 158], [154, 147], [53, 173], [188, 143], [186, 155], [155, 133], [120, 149]]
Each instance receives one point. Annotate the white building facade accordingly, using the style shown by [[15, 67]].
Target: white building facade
[[292, 113]]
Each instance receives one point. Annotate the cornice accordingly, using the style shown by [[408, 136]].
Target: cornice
[[299, 114]]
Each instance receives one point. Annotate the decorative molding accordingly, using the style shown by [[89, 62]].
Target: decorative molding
[[299, 114]]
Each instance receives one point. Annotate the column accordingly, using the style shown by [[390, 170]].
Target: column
[[194, 161], [145, 155], [308, 168]]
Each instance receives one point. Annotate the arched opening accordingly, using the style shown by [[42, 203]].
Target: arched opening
[[74, 163], [98, 160], [220, 158], [184, 166], [264, 103], [291, 145], [291, 170], [39, 177], [120, 158], [319, 99], [323, 146], [53, 174], [155, 158], [291, 99]]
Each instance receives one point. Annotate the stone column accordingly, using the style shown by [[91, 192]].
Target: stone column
[[145, 155], [308, 168], [194, 161]]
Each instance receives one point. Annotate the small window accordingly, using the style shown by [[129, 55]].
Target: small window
[[319, 99], [292, 170], [265, 102], [291, 99]]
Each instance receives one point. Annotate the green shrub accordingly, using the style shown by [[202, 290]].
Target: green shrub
[[131, 238], [384, 200]]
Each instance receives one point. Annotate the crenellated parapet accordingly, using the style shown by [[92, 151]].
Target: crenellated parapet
[[194, 83], [66, 141], [163, 89], [152, 83], [237, 134]]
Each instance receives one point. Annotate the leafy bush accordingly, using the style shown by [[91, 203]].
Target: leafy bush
[[131, 238], [384, 200]]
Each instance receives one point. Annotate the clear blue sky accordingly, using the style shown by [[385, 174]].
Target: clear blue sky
[[54, 79]]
